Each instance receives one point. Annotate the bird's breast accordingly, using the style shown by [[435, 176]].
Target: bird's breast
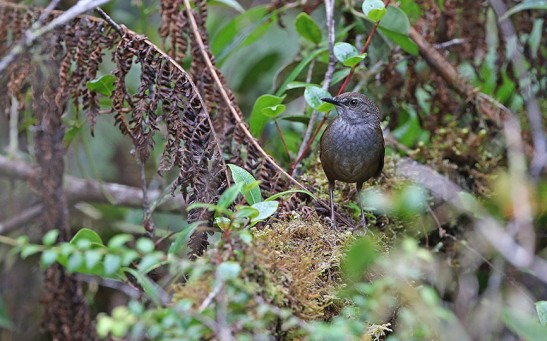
[[351, 153]]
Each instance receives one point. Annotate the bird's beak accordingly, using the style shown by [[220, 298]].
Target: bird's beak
[[331, 101]]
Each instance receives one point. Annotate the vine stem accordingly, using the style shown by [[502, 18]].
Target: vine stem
[[342, 88]]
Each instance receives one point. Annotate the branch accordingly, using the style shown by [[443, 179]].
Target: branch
[[37, 29], [20, 219], [342, 88], [457, 82], [329, 9], [497, 236], [91, 190], [539, 159]]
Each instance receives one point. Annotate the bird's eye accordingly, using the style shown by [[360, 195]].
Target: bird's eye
[[353, 102]]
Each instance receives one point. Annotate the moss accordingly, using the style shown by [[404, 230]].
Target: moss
[[299, 263]]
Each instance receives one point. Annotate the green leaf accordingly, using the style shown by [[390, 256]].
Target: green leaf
[[313, 95], [541, 308], [274, 110], [75, 261], [395, 26], [343, 51], [150, 288], [149, 262], [103, 85], [240, 175], [247, 212], [265, 210], [361, 255], [241, 31], [92, 258], [29, 250], [280, 194], [258, 119], [307, 28], [50, 237], [374, 9], [182, 238], [340, 75], [48, 257], [229, 195], [74, 127], [525, 5], [296, 85], [523, 325], [86, 234], [145, 245], [409, 131], [230, 3], [298, 69], [112, 264], [411, 201], [535, 37], [228, 270], [352, 61], [119, 240]]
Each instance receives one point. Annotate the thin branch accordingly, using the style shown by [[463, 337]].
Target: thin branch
[[224, 94], [147, 215], [363, 50], [209, 299], [539, 159], [447, 44], [37, 29], [282, 139], [127, 289], [342, 88], [20, 219], [443, 188], [329, 10], [91, 190], [109, 20]]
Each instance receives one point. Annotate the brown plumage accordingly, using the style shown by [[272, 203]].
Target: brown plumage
[[352, 147]]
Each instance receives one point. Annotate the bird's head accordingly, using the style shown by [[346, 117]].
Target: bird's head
[[354, 107]]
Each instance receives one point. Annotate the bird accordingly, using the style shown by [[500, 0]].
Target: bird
[[352, 146]]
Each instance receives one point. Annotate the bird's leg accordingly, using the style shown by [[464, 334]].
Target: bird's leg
[[331, 194], [359, 186]]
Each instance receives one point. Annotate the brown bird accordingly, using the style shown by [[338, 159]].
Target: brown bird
[[352, 147]]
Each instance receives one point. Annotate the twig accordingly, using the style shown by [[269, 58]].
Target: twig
[[212, 70], [282, 139], [539, 159], [442, 188], [446, 44], [90, 190], [109, 20], [147, 216], [342, 88], [209, 299], [127, 289], [37, 30], [520, 196], [329, 10], [22, 218]]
